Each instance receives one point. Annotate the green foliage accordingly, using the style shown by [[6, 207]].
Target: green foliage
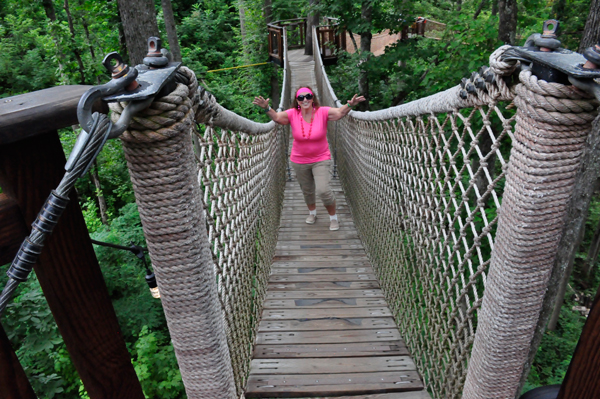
[[156, 366], [38, 344]]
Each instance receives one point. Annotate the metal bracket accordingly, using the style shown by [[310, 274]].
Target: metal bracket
[[562, 60], [550, 62]]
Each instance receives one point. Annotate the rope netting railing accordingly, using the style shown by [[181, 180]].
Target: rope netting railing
[[432, 186], [210, 198]]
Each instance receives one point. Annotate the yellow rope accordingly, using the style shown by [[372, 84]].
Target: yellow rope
[[243, 66]]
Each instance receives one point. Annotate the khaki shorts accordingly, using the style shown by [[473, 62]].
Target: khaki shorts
[[314, 181]]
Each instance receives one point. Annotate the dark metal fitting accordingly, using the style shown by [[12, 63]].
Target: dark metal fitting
[[119, 69], [463, 94], [155, 58], [550, 28], [489, 76], [50, 213], [592, 55], [24, 261], [548, 41], [467, 85]]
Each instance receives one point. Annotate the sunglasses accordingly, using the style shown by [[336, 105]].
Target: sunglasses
[[301, 97]]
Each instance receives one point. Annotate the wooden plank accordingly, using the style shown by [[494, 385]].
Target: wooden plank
[[13, 229], [322, 258], [330, 337], [294, 270], [325, 244], [68, 271], [311, 313], [391, 348], [323, 303], [332, 365], [582, 380], [349, 323], [29, 114], [395, 395], [308, 237], [320, 294], [333, 265], [13, 380], [290, 386], [333, 242], [324, 285], [308, 278]]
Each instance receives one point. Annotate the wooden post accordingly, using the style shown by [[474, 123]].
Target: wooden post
[[13, 381], [583, 376], [67, 270]]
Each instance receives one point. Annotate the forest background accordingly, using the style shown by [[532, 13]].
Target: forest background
[[45, 43]]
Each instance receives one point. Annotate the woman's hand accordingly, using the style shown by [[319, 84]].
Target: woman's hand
[[261, 102], [355, 100]]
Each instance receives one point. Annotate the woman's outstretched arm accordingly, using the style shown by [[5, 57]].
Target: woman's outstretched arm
[[278, 117], [338, 113]]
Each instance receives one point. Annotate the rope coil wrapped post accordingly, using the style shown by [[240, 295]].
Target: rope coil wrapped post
[[159, 155], [552, 125]]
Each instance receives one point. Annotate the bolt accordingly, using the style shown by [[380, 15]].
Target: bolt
[[155, 58], [115, 65], [548, 41], [592, 55]]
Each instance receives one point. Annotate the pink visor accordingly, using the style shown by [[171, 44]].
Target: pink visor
[[303, 90]]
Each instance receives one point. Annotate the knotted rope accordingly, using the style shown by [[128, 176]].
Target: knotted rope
[[553, 122], [159, 155]]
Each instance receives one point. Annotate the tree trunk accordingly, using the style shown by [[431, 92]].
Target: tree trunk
[[74, 44], [591, 32], [592, 254], [245, 49], [480, 8], [122, 45], [353, 40], [458, 5], [268, 11], [99, 193], [494, 8], [171, 29], [139, 23], [49, 9], [365, 47], [311, 20], [562, 289], [507, 27], [88, 39]]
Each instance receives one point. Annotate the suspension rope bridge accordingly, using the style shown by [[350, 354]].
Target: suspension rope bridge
[[453, 212]]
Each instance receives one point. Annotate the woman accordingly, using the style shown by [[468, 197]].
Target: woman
[[310, 155]]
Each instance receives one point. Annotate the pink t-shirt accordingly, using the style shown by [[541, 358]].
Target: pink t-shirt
[[313, 148]]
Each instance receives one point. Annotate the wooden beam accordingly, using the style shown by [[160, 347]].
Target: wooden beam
[[13, 380], [68, 271], [12, 229], [41, 111], [582, 380]]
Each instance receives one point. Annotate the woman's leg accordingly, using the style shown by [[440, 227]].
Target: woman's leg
[[322, 177], [306, 180]]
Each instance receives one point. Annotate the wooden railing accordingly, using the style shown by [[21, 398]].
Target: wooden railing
[[31, 165], [330, 38]]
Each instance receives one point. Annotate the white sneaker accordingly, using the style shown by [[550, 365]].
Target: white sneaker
[[334, 225], [311, 219]]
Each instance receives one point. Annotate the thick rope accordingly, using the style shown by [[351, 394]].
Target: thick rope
[[159, 154], [553, 122], [449, 100]]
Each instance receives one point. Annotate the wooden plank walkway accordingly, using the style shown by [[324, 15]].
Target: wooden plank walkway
[[326, 330]]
